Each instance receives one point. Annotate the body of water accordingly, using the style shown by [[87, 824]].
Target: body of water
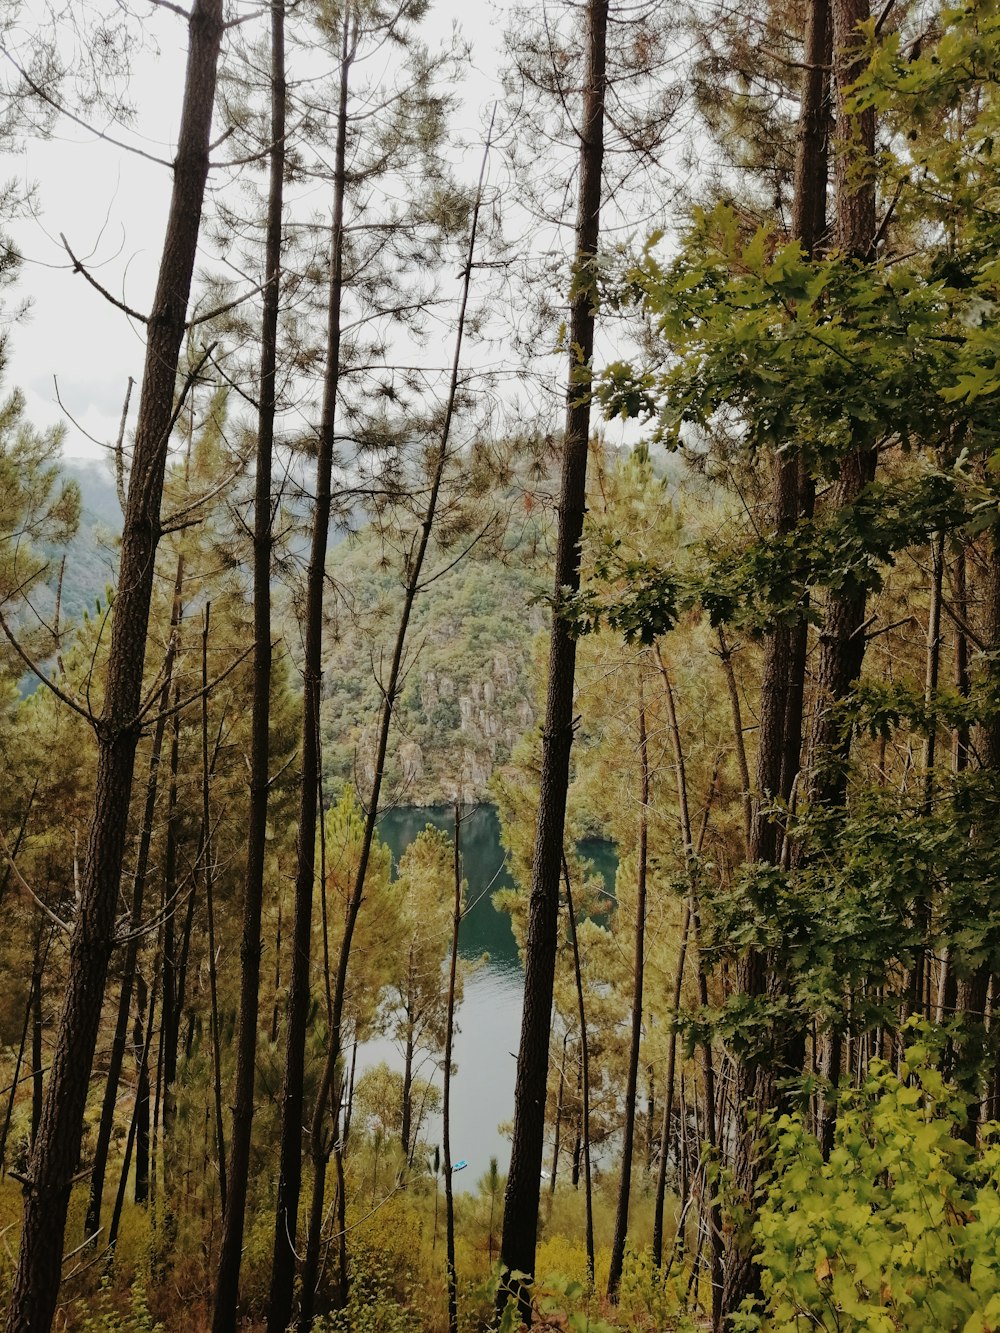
[[488, 1021]]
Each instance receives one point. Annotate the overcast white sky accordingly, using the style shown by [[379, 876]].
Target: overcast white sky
[[111, 206]]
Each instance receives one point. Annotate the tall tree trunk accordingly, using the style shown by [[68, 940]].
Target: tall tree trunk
[[407, 1089], [449, 1199], [520, 1222], [37, 972], [37, 1030], [783, 675], [559, 1117], [279, 1311], [172, 988], [208, 868], [56, 1152], [140, 1040], [692, 850], [227, 1283], [842, 641], [919, 972], [584, 1081], [329, 1095], [632, 1077], [972, 1044], [118, 1044], [276, 1008], [960, 753], [140, 1112], [668, 1094]]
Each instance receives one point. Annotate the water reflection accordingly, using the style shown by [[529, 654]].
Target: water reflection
[[488, 1022]]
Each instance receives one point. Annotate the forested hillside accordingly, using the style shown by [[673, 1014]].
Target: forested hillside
[[501, 734]]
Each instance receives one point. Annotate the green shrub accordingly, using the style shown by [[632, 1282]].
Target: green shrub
[[372, 1306], [899, 1230], [102, 1314]]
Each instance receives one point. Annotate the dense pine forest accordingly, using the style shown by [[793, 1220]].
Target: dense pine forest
[[501, 727]]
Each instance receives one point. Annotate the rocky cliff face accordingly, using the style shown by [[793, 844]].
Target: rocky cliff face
[[461, 730], [467, 699]]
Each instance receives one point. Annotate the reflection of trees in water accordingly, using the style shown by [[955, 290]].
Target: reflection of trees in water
[[484, 929]]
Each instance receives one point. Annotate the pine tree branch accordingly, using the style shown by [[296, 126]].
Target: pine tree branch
[[78, 267], [205, 689], [36, 670], [62, 110], [57, 921]]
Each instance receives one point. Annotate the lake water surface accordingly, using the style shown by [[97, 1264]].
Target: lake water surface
[[489, 1018]]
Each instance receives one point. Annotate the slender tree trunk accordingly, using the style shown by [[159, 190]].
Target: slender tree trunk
[[842, 642], [227, 1284], [520, 1223], [348, 1110], [276, 1010], [972, 989], [12, 859], [960, 754], [739, 742], [713, 1208], [407, 1088], [559, 1117], [37, 972], [279, 1310], [692, 851], [650, 1116], [37, 1030], [632, 1077], [208, 866], [320, 1143], [584, 1079], [449, 1200], [668, 1094], [783, 677], [141, 1039], [140, 1110], [918, 977], [172, 989], [106, 1125], [57, 1148]]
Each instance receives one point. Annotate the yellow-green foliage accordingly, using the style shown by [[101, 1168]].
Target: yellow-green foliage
[[899, 1230], [105, 1315]]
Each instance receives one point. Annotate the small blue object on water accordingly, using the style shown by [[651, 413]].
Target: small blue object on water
[[460, 1165]]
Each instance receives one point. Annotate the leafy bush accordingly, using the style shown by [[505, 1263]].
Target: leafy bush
[[899, 1230], [372, 1306], [104, 1316]]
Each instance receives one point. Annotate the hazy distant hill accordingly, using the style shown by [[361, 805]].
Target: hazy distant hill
[[92, 556], [468, 693]]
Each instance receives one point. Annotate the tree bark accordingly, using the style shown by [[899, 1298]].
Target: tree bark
[[208, 868], [37, 1030], [973, 982], [584, 1081], [632, 1077], [119, 1042], [449, 1200], [668, 1095], [279, 1312], [141, 1038], [230, 1253], [56, 1153], [783, 674], [559, 1117], [520, 1223], [328, 1094]]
